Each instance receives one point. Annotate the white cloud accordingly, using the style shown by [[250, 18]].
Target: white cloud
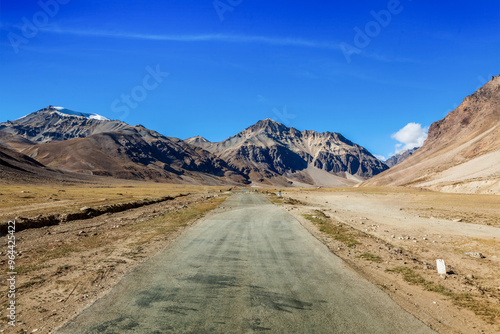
[[380, 157], [410, 136]]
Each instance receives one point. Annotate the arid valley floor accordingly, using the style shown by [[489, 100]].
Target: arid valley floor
[[390, 236]]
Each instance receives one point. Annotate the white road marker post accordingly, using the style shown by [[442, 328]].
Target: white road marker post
[[441, 267]]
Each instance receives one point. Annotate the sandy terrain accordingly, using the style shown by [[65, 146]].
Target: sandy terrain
[[411, 229], [480, 175]]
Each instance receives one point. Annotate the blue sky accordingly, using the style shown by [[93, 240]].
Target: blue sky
[[365, 69]]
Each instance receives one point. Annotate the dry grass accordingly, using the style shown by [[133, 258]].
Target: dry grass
[[489, 217], [38, 280], [470, 208], [371, 257], [138, 233], [284, 200], [336, 230], [33, 200], [22, 270]]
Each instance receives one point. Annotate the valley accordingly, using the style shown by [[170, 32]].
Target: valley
[[232, 166], [96, 199]]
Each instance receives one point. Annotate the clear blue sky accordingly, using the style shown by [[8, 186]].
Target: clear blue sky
[[302, 63]]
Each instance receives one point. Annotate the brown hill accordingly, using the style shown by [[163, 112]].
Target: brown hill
[[462, 151], [129, 156], [272, 153], [16, 167]]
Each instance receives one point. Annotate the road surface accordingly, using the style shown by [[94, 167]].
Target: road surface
[[252, 268]]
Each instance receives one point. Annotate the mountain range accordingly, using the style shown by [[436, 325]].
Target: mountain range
[[270, 151], [267, 153], [460, 154]]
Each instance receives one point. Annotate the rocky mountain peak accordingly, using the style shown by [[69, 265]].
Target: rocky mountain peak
[[268, 125], [59, 123], [65, 112], [270, 152], [198, 139]]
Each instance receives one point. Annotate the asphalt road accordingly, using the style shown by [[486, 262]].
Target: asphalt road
[[250, 269]]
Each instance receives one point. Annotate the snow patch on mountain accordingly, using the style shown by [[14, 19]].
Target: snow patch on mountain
[[68, 112]]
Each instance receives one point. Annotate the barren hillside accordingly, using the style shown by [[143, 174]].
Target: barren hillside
[[462, 151]]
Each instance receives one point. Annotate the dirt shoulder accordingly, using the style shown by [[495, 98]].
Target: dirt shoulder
[[64, 268], [392, 239]]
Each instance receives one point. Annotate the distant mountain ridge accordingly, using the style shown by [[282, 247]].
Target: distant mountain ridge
[[266, 153], [398, 158], [461, 152]]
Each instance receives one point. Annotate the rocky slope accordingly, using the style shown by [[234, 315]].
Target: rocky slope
[[398, 158], [462, 151], [271, 153]]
